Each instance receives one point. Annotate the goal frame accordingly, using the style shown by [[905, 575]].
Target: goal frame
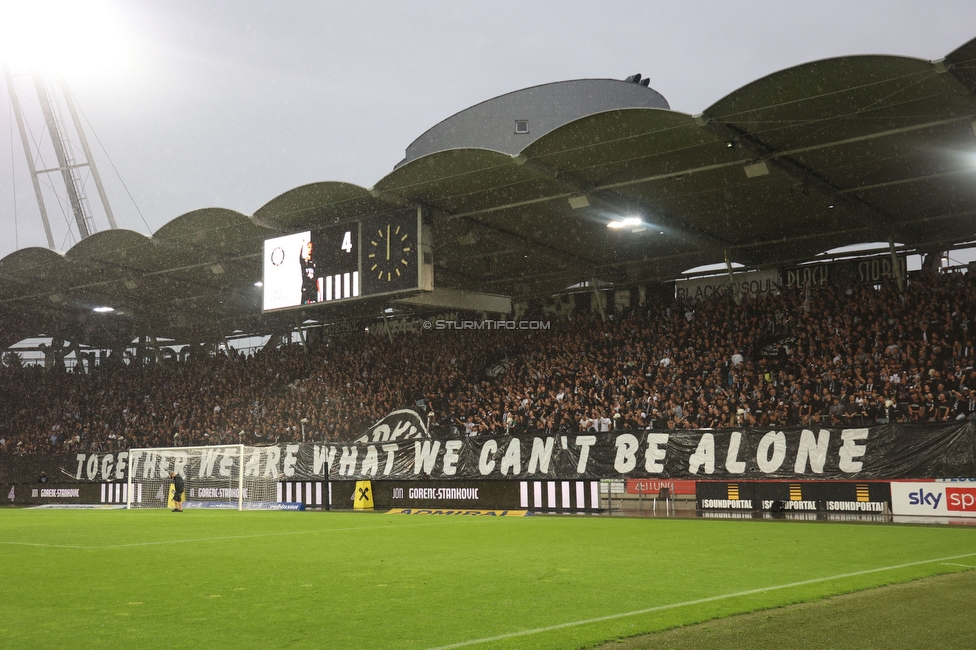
[[240, 468]]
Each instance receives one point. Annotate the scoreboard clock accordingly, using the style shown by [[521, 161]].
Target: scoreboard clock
[[379, 255], [391, 253]]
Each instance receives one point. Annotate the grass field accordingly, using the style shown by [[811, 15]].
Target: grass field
[[211, 579]]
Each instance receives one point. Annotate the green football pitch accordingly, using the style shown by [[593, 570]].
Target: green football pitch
[[213, 579]]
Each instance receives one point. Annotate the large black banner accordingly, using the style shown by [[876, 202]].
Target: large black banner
[[884, 452]]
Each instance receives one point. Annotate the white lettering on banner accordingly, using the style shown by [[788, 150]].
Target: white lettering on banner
[[370, 462], [626, 459], [271, 469], [252, 467], [451, 456], [391, 451], [150, 466], [291, 459], [330, 457], [120, 465], [850, 450], [226, 462], [207, 461], [704, 455], [485, 465], [769, 464], [512, 460], [806, 276], [812, 452], [403, 427], [107, 467], [134, 459], [164, 465], [732, 464], [425, 455], [347, 463], [318, 459], [747, 282], [812, 449], [584, 443], [869, 271], [657, 444], [381, 432], [179, 462], [541, 455]]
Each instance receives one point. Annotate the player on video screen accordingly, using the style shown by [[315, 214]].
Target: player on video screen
[[310, 292]]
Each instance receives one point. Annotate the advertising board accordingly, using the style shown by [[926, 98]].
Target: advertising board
[[780, 496], [934, 498]]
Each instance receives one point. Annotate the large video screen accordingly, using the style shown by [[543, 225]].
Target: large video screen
[[312, 267]]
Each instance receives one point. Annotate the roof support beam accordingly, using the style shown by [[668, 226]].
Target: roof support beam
[[618, 203], [533, 241], [810, 179]]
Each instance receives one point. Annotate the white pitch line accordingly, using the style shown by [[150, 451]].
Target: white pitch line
[[699, 601], [968, 566], [44, 545], [230, 537]]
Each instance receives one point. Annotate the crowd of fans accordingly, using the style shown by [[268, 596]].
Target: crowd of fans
[[824, 356]]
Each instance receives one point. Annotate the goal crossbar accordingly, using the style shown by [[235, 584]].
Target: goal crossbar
[[214, 476]]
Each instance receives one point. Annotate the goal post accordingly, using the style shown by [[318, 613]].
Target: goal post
[[215, 476]]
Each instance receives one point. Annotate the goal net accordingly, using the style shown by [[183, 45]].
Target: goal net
[[219, 476]]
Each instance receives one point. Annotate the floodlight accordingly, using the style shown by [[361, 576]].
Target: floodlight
[[628, 222]]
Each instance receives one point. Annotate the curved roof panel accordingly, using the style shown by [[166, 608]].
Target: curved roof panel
[[539, 109], [962, 64], [318, 204], [821, 155]]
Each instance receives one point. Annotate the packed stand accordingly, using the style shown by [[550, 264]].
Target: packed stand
[[822, 357]]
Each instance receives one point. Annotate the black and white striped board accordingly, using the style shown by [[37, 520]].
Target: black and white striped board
[[560, 496]]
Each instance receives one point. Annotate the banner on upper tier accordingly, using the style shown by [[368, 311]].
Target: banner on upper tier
[[896, 451], [401, 424]]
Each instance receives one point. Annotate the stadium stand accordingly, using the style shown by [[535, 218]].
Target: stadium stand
[[752, 181], [847, 356]]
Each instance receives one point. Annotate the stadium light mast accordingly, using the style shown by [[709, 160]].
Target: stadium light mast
[[51, 93]]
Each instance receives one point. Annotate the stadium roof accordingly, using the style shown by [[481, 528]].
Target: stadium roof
[[825, 154]]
